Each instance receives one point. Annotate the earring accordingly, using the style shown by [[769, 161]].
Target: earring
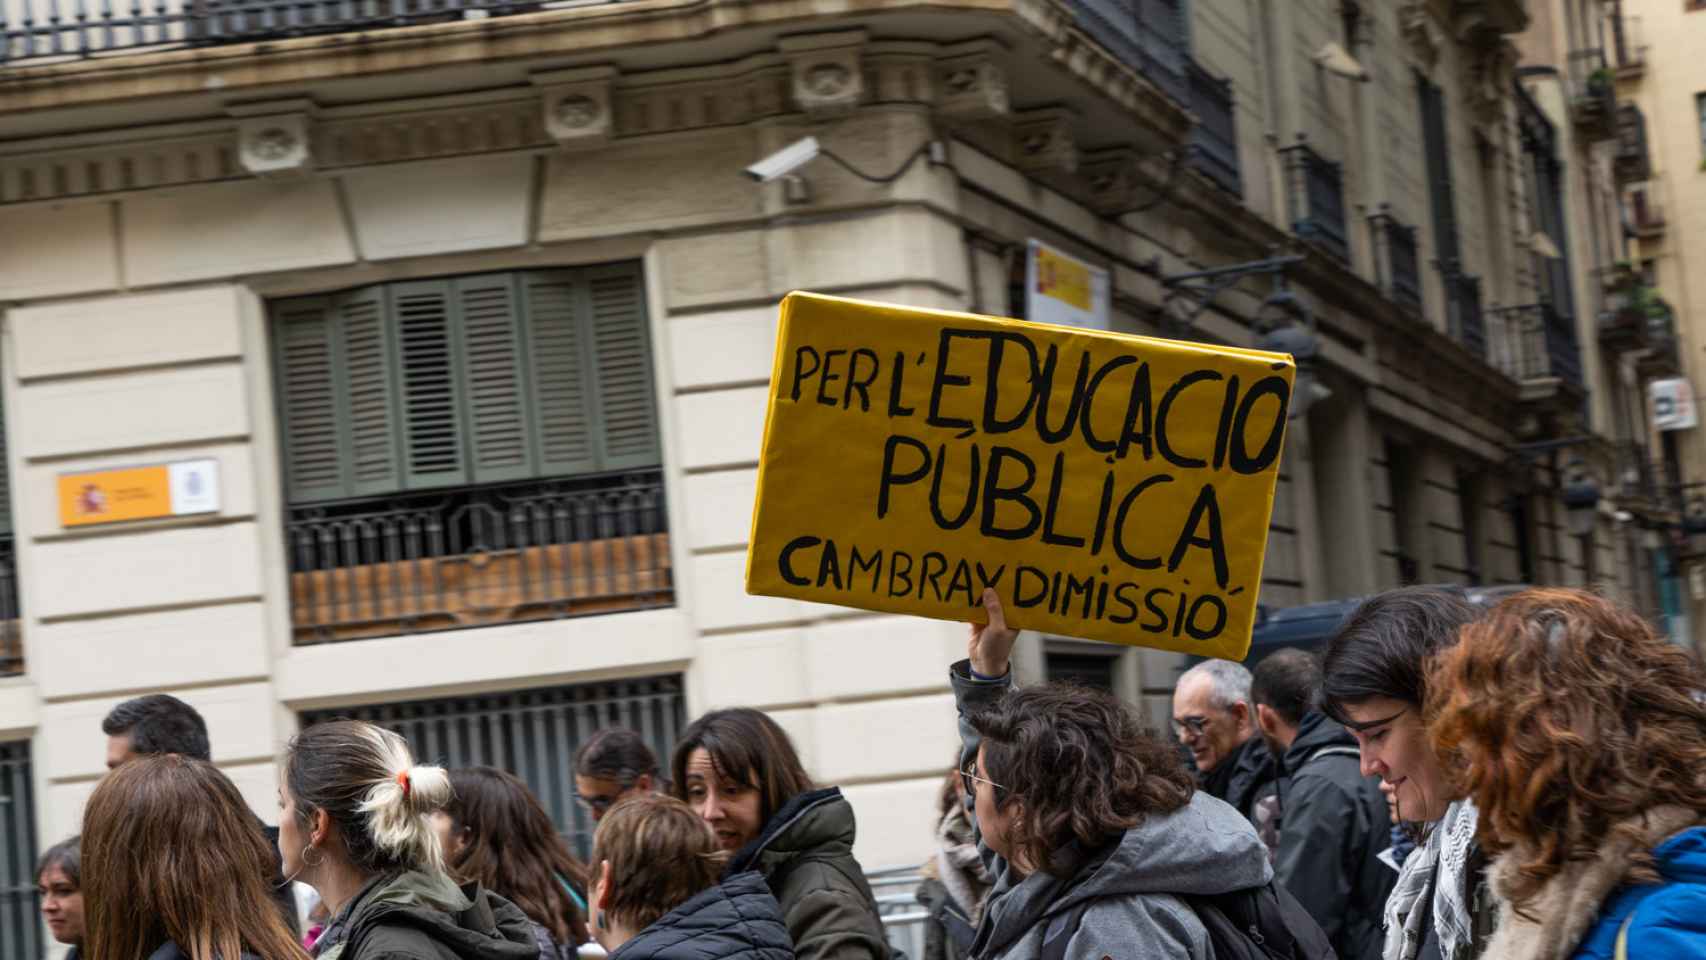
[[311, 863]]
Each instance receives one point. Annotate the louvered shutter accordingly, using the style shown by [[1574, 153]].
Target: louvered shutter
[[370, 392], [432, 431], [309, 375], [628, 424], [560, 369], [499, 416]]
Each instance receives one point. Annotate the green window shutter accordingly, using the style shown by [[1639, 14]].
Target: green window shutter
[[627, 409], [431, 386], [559, 365], [370, 392], [311, 408], [498, 415]]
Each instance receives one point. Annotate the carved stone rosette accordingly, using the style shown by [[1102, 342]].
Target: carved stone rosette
[[275, 145], [576, 105], [828, 77]]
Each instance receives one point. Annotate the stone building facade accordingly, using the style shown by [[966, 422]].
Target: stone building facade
[[473, 309]]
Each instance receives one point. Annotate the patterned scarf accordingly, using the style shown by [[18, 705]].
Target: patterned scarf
[[959, 865], [1440, 864]]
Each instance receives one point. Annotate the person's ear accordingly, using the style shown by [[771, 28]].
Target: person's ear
[[1267, 719], [644, 783], [321, 828], [1241, 714], [601, 887]]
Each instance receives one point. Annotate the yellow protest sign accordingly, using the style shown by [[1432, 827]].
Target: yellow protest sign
[[1108, 486]]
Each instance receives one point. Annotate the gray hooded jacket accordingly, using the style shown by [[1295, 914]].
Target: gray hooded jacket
[[1205, 848]]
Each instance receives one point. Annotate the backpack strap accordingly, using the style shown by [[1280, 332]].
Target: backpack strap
[[1060, 932], [1621, 951]]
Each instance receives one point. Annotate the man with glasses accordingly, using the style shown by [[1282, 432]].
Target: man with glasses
[[1213, 718]]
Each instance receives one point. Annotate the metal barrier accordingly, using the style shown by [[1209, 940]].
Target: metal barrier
[[896, 890]]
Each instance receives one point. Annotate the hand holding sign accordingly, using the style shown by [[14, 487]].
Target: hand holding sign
[[1108, 486], [990, 648]]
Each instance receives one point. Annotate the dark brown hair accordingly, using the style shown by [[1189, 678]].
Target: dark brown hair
[[1081, 768], [1566, 717], [660, 853], [748, 747], [172, 853], [617, 754], [513, 849]]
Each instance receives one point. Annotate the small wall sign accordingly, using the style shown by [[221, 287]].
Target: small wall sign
[[177, 489]]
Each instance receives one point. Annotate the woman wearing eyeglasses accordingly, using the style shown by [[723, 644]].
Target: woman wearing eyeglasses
[[1374, 682], [495, 833], [613, 765], [738, 770], [1092, 828]]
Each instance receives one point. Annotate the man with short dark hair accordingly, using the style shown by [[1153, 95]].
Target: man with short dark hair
[[159, 723], [154, 724], [1332, 819]]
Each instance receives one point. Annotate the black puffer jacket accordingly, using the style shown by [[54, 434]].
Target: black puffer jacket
[[738, 919], [168, 951], [1243, 777], [1333, 827], [414, 916], [805, 853]]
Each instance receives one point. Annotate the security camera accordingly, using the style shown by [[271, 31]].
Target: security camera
[[784, 161]]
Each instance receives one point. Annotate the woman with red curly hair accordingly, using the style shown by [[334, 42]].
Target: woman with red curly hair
[[1581, 736]]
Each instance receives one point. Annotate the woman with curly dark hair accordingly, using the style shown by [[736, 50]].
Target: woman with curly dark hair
[[1092, 827], [1581, 736]]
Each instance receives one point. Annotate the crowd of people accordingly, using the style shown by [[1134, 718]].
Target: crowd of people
[[1443, 782]]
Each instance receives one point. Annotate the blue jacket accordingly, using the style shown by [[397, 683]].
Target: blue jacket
[[1669, 917]]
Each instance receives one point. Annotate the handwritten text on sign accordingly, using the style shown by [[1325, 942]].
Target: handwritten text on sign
[[1107, 486]]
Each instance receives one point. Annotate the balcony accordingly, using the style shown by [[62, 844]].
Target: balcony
[[478, 556], [1645, 211], [1664, 346], [1317, 200], [1593, 95], [1148, 35], [1534, 343], [1638, 476], [1396, 260], [60, 28], [1628, 44], [1630, 306], [1468, 323], [1631, 162], [1214, 140], [11, 638]]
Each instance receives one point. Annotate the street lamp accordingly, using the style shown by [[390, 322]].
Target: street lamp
[[1283, 323], [1287, 325]]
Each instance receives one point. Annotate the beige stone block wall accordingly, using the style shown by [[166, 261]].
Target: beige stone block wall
[[222, 230], [54, 250], [477, 203]]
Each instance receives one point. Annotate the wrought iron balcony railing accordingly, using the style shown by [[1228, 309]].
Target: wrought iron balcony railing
[[1533, 342], [1396, 260], [1214, 142], [1593, 94], [35, 29], [11, 637], [476, 556], [1465, 311], [1631, 162], [1149, 36], [1317, 200], [1645, 210]]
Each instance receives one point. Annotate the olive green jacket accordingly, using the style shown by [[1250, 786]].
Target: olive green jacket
[[805, 853]]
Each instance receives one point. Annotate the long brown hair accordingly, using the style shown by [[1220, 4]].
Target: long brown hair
[[747, 747], [510, 846], [171, 852], [1081, 768], [1566, 717]]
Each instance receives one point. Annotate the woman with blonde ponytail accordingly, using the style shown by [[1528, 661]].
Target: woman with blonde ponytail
[[354, 825]]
